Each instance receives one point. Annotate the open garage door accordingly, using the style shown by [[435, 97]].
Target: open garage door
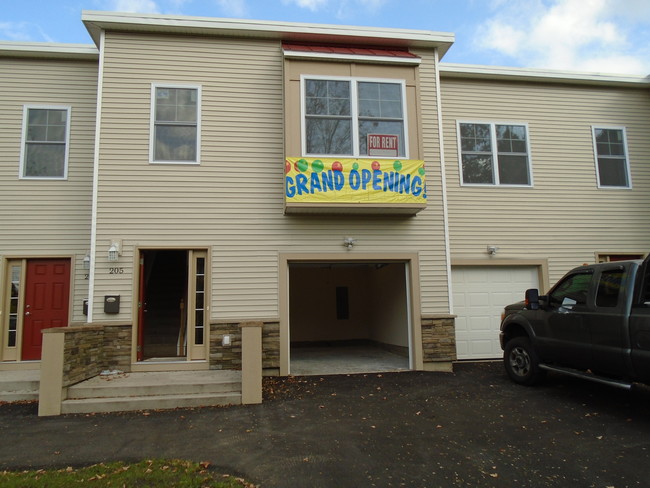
[[347, 317], [480, 293]]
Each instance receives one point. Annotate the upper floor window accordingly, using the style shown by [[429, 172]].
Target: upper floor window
[[494, 154], [175, 124], [44, 152], [354, 117], [610, 147]]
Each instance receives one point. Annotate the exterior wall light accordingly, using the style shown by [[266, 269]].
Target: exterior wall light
[[349, 242], [492, 250], [86, 261], [114, 251]]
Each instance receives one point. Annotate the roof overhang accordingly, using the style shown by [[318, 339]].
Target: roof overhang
[[451, 70], [96, 21], [48, 50]]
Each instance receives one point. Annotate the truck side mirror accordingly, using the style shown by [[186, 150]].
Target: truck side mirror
[[532, 299]]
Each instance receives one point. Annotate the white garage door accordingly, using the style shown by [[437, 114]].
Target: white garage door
[[480, 293]]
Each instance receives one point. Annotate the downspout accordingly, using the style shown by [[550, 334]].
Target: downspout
[[443, 181], [93, 225]]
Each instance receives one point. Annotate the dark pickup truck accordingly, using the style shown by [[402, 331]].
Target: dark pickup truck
[[594, 323]]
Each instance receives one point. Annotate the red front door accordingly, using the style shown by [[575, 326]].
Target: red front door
[[47, 295]]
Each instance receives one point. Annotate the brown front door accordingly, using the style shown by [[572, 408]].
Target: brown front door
[[47, 295]]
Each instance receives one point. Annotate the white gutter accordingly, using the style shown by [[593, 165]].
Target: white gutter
[[48, 50], [451, 70]]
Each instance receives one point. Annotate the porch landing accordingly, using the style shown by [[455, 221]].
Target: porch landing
[[153, 390]]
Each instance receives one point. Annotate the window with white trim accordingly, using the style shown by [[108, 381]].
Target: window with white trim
[[175, 121], [340, 114], [612, 166], [46, 133], [494, 154]]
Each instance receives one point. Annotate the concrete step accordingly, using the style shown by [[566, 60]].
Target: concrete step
[[112, 389], [153, 390], [151, 402], [18, 395], [19, 385]]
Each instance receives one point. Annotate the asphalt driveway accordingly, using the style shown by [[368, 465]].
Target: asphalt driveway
[[414, 429]]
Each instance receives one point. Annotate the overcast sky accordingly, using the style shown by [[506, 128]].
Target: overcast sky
[[607, 36]]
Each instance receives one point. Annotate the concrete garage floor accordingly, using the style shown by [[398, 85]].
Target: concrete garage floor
[[324, 360]]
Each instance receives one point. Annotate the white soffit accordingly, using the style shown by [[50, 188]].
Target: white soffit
[[452, 70], [288, 31]]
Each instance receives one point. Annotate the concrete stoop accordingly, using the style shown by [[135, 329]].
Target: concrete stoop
[[153, 390], [18, 386]]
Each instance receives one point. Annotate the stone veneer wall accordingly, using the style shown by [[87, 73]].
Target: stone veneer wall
[[90, 349], [271, 346], [229, 357], [117, 347], [438, 339], [225, 357], [82, 353]]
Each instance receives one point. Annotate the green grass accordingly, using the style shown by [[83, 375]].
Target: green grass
[[151, 473]]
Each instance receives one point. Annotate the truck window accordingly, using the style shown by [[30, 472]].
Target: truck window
[[571, 291], [609, 288]]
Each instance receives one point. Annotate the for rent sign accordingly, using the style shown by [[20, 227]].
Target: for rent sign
[[383, 145]]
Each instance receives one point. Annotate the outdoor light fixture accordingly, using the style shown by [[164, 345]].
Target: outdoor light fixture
[[87, 261], [349, 242], [492, 250], [114, 251]]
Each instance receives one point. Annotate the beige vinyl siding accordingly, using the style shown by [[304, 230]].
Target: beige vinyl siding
[[431, 241], [564, 217], [233, 201], [39, 217]]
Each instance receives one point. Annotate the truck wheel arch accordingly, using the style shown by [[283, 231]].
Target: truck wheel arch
[[514, 329]]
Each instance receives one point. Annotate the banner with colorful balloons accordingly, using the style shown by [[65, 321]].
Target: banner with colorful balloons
[[335, 180]]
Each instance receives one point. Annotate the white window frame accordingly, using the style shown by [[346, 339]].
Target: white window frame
[[495, 162], [354, 114], [152, 122], [24, 141], [628, 176]]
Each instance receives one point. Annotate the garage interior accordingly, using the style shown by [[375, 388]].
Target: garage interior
[[348, 317]]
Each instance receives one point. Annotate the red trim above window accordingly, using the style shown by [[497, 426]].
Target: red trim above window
[[348, 50]]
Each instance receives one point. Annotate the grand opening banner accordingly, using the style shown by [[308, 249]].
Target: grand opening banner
[[330, 180]]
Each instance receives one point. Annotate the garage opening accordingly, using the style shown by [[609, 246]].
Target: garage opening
[[347, 317]]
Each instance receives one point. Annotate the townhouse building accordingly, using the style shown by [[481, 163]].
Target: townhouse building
[[331, 185]]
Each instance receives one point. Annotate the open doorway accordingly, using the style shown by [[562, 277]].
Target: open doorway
[[162, 327], [173, 305], [349, 317]]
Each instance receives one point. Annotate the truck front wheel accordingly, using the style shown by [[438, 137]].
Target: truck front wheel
[[521, 362]]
